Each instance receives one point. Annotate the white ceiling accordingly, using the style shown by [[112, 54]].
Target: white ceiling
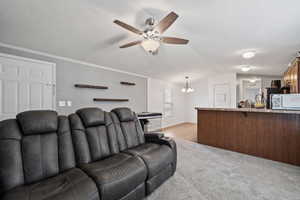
[[218, 30]]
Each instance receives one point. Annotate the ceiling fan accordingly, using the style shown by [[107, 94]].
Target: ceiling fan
[[152, 35]]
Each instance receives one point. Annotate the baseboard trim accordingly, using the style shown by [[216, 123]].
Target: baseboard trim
[[175, 125]]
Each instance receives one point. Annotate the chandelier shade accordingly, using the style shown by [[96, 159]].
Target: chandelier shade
[[188, 86]]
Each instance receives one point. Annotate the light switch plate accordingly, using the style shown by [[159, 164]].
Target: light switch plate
[[61, 103], [69, 103]]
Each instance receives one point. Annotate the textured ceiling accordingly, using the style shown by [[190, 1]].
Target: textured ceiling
[[219, 31]]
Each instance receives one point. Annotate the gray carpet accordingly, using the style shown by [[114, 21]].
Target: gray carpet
[[207, 173]]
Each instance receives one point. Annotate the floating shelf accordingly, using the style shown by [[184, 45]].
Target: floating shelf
[[127, 83], [101, 99], [91, 86]]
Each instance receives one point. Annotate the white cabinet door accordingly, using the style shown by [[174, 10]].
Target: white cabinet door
[[25, 84], [222, 96]]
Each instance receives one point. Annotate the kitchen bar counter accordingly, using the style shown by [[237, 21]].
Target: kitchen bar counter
[[251, 110], [271, 134]]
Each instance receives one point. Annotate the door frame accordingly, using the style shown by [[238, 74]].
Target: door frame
[[53, 65]]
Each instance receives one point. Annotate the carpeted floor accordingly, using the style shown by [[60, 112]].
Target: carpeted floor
[[207, 173]]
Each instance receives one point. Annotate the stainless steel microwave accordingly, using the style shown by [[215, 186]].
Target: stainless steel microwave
[[285, 101]]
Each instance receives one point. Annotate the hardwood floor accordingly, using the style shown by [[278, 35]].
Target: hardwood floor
[[186, 131]]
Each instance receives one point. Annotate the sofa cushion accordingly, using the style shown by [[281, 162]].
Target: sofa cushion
[[91, 116], [38, 122], [158, 153], [27, 159], [156, 157], [95, 142], [117, 175], [124, 114], [130, 133], [11, 168], [70, 185]]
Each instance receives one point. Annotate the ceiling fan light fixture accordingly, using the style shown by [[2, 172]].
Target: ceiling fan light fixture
[[152, 35], [150, 46]]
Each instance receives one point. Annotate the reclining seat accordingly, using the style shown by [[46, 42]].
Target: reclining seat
[[117, 175], [37, 160], [158, 152]]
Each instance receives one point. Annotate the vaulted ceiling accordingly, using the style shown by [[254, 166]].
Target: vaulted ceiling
[[218, 30]]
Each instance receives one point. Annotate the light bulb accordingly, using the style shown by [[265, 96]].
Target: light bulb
[[150, 45], [245, 68], [249, 54]]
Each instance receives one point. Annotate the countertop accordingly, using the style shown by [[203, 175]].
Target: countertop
[[250, 110]]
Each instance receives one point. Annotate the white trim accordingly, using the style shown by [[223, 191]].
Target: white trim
[[26, 59], [69, 59], [54, 86]]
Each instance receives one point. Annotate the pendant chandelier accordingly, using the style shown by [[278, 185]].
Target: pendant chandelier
[[188, 86]]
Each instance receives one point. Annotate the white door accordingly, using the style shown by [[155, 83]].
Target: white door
[[25, 84], [222, 96]]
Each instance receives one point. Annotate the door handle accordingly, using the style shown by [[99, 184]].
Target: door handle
[[54, 89]]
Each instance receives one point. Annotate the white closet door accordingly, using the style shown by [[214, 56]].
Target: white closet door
[[222, 96], [25, 84]]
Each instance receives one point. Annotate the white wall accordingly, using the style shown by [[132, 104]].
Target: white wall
[[199, 98], [156, 90], [229, 79], [69, 73], [203, 95]]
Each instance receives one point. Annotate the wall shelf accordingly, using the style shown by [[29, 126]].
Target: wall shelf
[[127, 83], [91, 86], [119, 100]]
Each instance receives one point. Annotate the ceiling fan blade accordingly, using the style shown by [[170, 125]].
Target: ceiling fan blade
[[166, 22], [131, 44], [173, 40], [128, 27]]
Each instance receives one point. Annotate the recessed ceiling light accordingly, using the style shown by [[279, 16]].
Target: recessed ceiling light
[[252, 80], [249, 54], [245, 68]]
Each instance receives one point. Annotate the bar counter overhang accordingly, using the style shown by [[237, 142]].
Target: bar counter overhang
[[271, 134]]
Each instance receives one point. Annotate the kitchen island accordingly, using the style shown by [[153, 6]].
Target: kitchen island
[[271, 134]]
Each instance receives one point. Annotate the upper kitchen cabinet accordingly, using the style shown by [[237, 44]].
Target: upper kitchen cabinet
[[291, 76]]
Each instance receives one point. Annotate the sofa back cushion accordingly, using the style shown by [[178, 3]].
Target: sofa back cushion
[[38, 122], [35, 146], [94, 135], [11, 167], [128, 127]]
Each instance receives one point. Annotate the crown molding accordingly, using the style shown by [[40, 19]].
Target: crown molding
[[68, 59]]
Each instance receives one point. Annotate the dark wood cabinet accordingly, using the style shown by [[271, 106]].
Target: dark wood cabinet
[[273, 136], [291, 77]]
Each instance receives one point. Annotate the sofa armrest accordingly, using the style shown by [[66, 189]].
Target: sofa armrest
[[153, 136], [159, 138], [167, 141]]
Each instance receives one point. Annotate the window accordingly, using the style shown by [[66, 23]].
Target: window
[[168, 103]]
